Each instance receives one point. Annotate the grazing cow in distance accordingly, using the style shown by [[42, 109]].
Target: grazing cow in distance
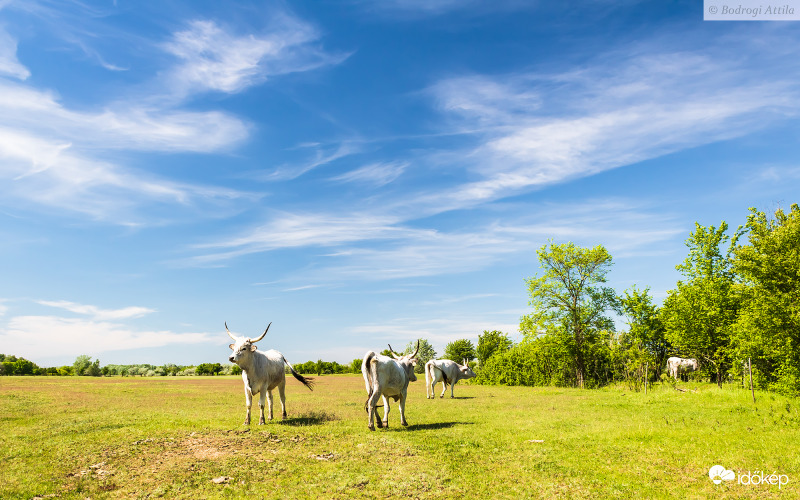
[[446, 372], [262, 371], [388, 378], [677, 366]]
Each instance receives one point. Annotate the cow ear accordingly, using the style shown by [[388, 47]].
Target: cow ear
[[253, 348], [230, 346]]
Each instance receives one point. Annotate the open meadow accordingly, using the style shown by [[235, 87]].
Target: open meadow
[[86, 437]]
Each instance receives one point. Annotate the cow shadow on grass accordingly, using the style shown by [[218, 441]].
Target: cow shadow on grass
[[309, 418], [435, 426]]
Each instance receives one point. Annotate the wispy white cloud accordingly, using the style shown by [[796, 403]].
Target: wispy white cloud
[[9, 64], [97, 313], [323, 155], [376, 174], [371, 248], [440, 7], [55, 156], [214, 58], [36, 337], [532, 130], [287, 230], [52, 173]]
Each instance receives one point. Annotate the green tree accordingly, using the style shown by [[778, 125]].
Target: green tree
[[768, 327], [425, 354], [491, 342], [459, 350], [645, 329], [83, 365], [568, 297], [698, 315]]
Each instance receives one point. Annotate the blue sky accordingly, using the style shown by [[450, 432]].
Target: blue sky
[[361, 172]]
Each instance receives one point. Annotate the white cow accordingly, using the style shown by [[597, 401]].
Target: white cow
[[262, 371], [676, 366], [388, 378], [446, 372]]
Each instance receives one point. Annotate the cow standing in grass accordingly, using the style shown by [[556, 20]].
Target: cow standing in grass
[[262, 371], [446, 372], [677, 366], [388, 378]]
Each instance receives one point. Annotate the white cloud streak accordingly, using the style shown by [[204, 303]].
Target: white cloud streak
[[214, 59], [534, 130], [375, 174], [381, 248], [97, 313], [9, 64], [35, 337]]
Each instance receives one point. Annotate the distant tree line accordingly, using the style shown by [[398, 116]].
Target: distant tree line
[[737, 299], [84, 366]]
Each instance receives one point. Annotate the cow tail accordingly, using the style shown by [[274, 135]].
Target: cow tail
[[306, 381], [370, 376], [428, 374]]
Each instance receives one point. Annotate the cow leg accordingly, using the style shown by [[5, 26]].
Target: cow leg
[[248, 401], [264, 395], [451, 390], [372, 402], [385, 413], [444, 389], [282, 395], [403, 408]]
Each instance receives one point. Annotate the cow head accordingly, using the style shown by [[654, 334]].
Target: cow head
[[466, 371], [242, 346], [408, 362]]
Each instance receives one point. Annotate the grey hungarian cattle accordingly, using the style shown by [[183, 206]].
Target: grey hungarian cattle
[[387, 377], [262, 371], [446, 372], [677, 366]]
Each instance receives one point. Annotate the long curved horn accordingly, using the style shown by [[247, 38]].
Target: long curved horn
[[415, 352], [391, 351], [229, 332], [262, 335]]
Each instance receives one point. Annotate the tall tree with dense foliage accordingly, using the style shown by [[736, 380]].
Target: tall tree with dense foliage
[[83, 365], [645, 328], [425, 354], [569, 297], [459, 350], [491, 342], [699, 314], [768, 327]]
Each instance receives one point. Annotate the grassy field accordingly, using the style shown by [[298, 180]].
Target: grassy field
[[81, 437]]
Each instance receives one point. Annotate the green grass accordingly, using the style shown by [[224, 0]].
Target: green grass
[[80, 437]]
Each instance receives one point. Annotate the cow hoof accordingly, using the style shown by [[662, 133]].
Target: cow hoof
[[379, 424], [386, 424], [405, 424], [371, 427]]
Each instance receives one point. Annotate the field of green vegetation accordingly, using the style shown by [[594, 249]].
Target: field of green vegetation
[[112, 437]]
